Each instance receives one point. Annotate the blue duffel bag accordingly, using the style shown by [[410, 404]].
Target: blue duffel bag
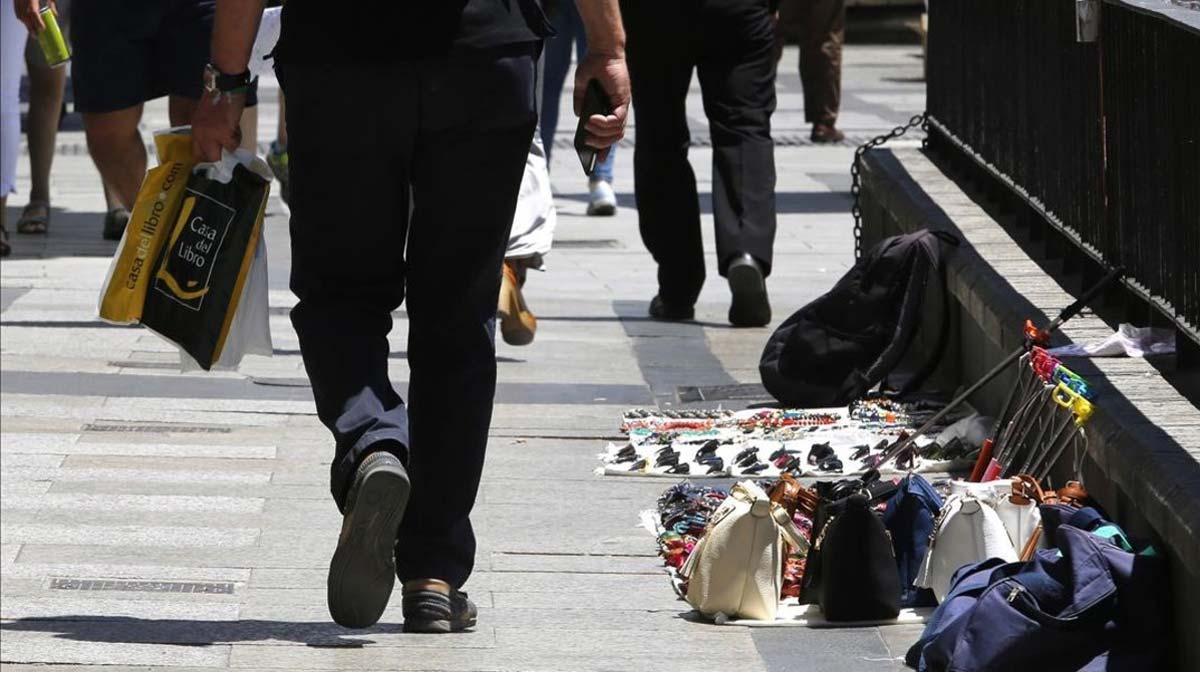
[[1086, 605]]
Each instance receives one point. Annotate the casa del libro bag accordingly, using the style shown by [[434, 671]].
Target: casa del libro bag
[[191, 265]]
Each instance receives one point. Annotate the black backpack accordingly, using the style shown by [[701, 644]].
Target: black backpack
[[838, 346]]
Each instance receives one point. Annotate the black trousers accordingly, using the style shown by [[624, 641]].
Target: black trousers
[[730, 43], [821, 26], [454, 135]]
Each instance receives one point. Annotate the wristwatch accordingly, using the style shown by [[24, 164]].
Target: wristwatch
[[221, 83]]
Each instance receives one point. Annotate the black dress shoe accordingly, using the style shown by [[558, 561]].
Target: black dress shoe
[[362, 571], [750, 308], [663, 311]]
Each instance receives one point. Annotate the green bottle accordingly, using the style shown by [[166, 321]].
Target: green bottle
[[54, 46]]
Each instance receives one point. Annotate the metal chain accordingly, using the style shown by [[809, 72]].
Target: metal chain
[[855, 187]]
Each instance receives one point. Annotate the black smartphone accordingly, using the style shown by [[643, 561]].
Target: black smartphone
[[595, 102]]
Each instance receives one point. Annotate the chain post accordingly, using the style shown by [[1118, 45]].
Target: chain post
[[921, 121]]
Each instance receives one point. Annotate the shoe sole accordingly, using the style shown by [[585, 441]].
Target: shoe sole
[[363, 571], [602, 210], [750, 306]]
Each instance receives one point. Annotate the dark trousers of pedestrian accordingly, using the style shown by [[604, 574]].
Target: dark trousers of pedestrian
[[821, 25], [451, 135], [730, 45]]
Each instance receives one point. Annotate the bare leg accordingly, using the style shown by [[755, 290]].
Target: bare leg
[[116, 147], [281, 126], [46, 86]]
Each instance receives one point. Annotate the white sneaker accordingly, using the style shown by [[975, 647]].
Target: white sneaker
[[602, 201]]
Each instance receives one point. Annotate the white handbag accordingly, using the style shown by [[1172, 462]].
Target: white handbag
[[967, 530], [1019, 512], [736, 568]]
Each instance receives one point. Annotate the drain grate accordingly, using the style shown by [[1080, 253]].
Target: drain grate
[[723, 392], [69, 584], [155, 428], [586, 243]]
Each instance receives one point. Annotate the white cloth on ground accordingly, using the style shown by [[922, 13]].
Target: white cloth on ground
[[535, 218], [12, 62], [1129, 340]]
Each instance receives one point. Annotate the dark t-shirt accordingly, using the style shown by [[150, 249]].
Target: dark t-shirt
[[318, 31]]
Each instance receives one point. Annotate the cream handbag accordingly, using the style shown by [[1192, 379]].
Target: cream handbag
[[736, 568], [967, 530], [1016, 501]]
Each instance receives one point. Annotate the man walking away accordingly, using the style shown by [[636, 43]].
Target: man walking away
[[822, 28], [443, 94], [731, 45]]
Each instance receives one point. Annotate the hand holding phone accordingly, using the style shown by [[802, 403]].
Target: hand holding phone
[[595, 102]]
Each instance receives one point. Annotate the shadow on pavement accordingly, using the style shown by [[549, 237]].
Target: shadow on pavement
[[132, 630], [785, 201], [634, 319], [70, 234]]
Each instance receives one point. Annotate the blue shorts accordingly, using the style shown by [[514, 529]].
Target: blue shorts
[[131, 51]]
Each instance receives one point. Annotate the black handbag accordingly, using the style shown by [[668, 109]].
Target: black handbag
[[851, 567]]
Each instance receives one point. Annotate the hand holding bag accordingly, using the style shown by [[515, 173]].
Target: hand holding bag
[[736, 568]]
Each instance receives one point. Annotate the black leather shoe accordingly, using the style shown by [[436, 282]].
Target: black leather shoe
[[750, 307], [659, 309], [363, 569], [431, 611]]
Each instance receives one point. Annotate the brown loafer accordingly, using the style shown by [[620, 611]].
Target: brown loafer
[[517, 323], [826, 133]]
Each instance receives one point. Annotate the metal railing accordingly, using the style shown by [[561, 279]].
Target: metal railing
[[1100, 139]]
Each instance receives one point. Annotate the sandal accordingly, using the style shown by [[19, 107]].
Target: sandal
[[35, 218]]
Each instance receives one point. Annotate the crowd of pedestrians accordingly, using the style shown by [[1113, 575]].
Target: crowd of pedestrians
[[441, 94]]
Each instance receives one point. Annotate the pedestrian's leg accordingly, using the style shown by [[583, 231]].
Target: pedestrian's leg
[[46, 86], [737, 78], [281, 125], [477, 125], [12, 40], [349, 216], [115, 145], [347, 234], [660, 58], [12, 37], [821, 61], [556, 59]]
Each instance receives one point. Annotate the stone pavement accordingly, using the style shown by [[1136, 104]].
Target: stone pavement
[[152, 519]]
